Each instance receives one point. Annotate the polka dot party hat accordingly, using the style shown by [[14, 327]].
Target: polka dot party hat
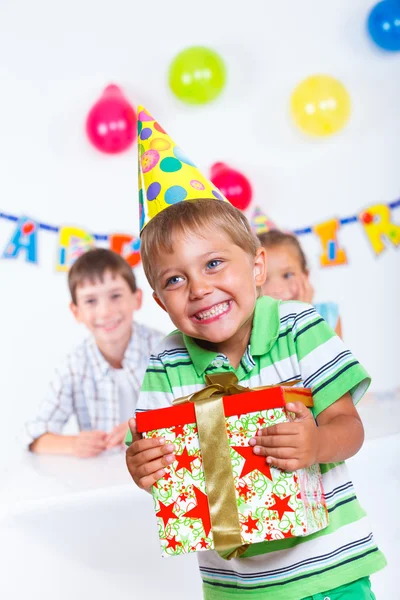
[[166, 175], [260, 223]]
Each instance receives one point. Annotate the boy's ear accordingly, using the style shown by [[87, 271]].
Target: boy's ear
[[157, 299], [75, 311], [138, 299], [260, 266]]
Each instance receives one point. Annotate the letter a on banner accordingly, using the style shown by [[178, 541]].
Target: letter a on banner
[[127, 246], [332, 255], [73, 242], [24, 239], [378, 227]]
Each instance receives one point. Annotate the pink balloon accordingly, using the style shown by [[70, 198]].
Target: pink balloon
[[233, 184], [111, 122]]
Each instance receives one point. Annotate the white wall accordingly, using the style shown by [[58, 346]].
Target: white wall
[[55, 58]]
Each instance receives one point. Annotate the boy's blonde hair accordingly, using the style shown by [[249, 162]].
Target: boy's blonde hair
[[93, 264], [194, 216]]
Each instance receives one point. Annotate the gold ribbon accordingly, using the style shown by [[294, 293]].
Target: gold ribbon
[[213, 437], [217, 464]]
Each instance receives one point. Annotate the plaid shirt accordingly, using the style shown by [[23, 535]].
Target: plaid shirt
[[85, 386]]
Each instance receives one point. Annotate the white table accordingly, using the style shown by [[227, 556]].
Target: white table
[[79, 529]]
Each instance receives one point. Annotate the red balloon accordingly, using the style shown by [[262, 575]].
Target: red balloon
[[111, 122], [233, 184]]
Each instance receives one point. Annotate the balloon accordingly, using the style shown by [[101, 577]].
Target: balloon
[[320, 105], [233, 185], [111, 122], [384, 25], [197, 75]]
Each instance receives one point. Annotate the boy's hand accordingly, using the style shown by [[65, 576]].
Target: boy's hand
[[146, 458], [89, 443], [290, 446], [304, 291], [117, 436]]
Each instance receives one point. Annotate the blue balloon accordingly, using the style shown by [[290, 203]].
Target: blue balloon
[[384, 25]]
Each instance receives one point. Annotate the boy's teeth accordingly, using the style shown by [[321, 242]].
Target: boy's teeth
[[218, 309]]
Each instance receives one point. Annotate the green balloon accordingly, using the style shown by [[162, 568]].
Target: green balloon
[[197, 75]]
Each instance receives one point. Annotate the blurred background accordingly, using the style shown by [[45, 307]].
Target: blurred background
[[56, 61]]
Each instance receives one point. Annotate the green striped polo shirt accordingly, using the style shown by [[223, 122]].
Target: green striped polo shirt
[[289, 341]]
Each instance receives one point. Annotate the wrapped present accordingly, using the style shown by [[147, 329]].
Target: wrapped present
[[218, 494]]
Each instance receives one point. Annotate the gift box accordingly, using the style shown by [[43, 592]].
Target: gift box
[[218, 494]]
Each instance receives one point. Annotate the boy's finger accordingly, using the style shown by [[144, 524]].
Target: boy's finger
[[153, 467], [153, 454], [141, 445], [113, 440], [95, 434], [285, 464], [99, 445], [279, 429], [277, 441], [132, 426], [299, 409], [284, 452], [147, 482]]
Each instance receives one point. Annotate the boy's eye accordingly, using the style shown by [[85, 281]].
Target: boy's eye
[[288, 275], [115, 296], [90, 301], [173, 280], [215, 262]]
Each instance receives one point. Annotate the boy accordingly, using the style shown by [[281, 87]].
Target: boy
[[206, 269], [100, 380], [288, 275]]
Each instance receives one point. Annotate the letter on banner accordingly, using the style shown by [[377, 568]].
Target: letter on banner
[[24, 239], [127, 246], [73, 242], [378, 227], [332, 255]]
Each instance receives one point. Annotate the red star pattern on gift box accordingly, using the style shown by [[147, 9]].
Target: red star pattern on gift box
[[178, 430], [252, 462], [166, 512], [281, 505], [251, 524], [173, 543], [201, 510], [244, 491], [184, 460]]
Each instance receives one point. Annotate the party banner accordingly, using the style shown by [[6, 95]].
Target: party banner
[[376, 220]]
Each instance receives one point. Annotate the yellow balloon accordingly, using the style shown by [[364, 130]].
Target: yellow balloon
[[320, 105]]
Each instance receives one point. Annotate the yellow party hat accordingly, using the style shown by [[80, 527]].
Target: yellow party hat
[[166, 175], [260, 223]]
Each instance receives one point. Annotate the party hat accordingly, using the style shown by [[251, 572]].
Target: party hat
[[166, 175], [260, 222]]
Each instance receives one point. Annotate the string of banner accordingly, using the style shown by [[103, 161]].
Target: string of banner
[[376, 221]]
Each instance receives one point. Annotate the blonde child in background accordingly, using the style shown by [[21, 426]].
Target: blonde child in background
[[288, 277], [99, 381]]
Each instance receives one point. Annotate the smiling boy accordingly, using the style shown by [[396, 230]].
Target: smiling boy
[[100, 380], [207, 269]]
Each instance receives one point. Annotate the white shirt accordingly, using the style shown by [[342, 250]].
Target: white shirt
[[86, 386], [126, 393]]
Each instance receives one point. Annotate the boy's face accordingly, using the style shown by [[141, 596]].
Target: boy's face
[[208, 286], [284, 273], [106, 308]]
